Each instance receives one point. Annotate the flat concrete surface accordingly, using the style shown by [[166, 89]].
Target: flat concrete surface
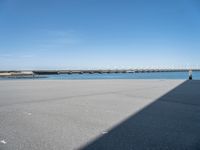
[[99, 114]]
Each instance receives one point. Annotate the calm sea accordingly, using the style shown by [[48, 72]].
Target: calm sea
[[156, 75]]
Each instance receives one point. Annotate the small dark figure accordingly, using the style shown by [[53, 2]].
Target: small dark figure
[[190, 75]]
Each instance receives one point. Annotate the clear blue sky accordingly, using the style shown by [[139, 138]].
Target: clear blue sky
[[91, 34]]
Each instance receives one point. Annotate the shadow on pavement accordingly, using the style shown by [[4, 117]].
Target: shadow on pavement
[[172, 122]]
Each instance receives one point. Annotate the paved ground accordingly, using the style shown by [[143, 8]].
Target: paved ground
[[99, 114]]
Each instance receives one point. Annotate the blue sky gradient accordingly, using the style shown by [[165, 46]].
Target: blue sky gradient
[[93, 34]]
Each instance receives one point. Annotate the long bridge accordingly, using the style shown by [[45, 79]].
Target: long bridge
[[43, 72], [29, 73]]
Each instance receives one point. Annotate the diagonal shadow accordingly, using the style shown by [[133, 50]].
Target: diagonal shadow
[[172, 122]]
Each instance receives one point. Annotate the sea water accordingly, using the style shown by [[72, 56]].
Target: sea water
[[153, 75]]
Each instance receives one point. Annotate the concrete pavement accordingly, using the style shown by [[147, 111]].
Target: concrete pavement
[[99, 114]]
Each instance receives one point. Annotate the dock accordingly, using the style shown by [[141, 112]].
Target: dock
[[99, 114]]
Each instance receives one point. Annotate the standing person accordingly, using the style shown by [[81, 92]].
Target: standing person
[[190, 74]]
